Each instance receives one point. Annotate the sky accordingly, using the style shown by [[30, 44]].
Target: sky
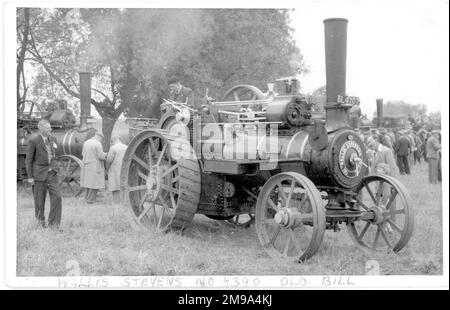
[[396, 50]]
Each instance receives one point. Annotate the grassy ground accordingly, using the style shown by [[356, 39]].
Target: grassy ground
[[97, 240]]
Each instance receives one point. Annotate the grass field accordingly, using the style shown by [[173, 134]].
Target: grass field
[[98, 240]]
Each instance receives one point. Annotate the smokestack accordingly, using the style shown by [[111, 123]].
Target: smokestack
[[379, 112], [85, 99], [335, 62]]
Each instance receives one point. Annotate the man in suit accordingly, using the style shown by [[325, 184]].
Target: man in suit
[[114, 163], [42, 169], [384, 163], [179, 93], [433, 150], [383, 157], [92, 176], [403, 149]]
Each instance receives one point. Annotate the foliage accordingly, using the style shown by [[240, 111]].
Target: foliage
[[133, 52], [399, 108]]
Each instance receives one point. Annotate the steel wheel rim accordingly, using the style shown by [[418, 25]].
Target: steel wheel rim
[[395, 217], [301, 242]]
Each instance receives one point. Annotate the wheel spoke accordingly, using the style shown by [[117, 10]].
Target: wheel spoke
[[274, 237], [137, 188], [142, 175], [286, 248], [362, 204], [363, 232], [400, 211], [291, 190], [294, 240], [236, 96], [370, 192], [170, 170], [161, 217], [272, 205], [172, 200], [393, 225], [391, 200], [169, 189], [68, 164], [377, 235], [141, 162], [145, 211], [282, 193], [161, 155], [384, 236], [379, 192]]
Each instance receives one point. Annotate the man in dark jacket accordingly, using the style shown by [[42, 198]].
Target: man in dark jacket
[[179, 93], [42, 169], [403, 149]]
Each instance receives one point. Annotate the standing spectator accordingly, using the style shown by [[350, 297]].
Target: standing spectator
[[386, 139], [93, 168], [418, 150], [42, 168], [383, 157], [410, 137], [403, 148], [114, 163], [433, 150]]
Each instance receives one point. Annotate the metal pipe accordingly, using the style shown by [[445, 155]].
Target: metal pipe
[[335, 62], [85, 99], [379, 112]]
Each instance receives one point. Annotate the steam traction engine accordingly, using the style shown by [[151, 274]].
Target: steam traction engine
[[266, 155], [69, 136]]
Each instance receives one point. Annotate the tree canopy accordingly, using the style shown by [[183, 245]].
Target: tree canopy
[[133, 52]]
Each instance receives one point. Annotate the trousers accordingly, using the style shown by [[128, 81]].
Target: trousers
[[40, 189], [91, 195]]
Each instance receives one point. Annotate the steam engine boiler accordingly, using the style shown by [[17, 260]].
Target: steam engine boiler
[[70, 137]]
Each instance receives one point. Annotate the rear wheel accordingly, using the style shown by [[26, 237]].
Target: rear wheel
[[161, 182]]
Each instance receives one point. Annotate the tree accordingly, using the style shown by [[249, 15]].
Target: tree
[[133, 52], [23, 29]]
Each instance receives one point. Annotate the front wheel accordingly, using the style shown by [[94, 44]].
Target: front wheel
[[290, 218], [389, 223]]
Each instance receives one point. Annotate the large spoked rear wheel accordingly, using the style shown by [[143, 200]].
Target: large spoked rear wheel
[[389, 219], [160, 179], [290, 218], [69, 171]]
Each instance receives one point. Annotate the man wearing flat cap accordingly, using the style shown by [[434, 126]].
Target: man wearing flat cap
[[179, 93], [42, 169], [433, 154], [92, 176]]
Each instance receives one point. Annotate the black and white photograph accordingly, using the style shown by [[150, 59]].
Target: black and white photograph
[[248, 145]]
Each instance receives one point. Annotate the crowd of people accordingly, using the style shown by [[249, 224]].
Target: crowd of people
[[396, 151]]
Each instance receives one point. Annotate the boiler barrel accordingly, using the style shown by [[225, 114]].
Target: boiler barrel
[[70, 142]]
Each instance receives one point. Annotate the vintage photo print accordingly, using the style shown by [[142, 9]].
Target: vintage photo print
[[225, 145]]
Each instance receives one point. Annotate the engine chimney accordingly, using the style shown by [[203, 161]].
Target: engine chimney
[[85, 99], [335, 62], [379, 113]]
